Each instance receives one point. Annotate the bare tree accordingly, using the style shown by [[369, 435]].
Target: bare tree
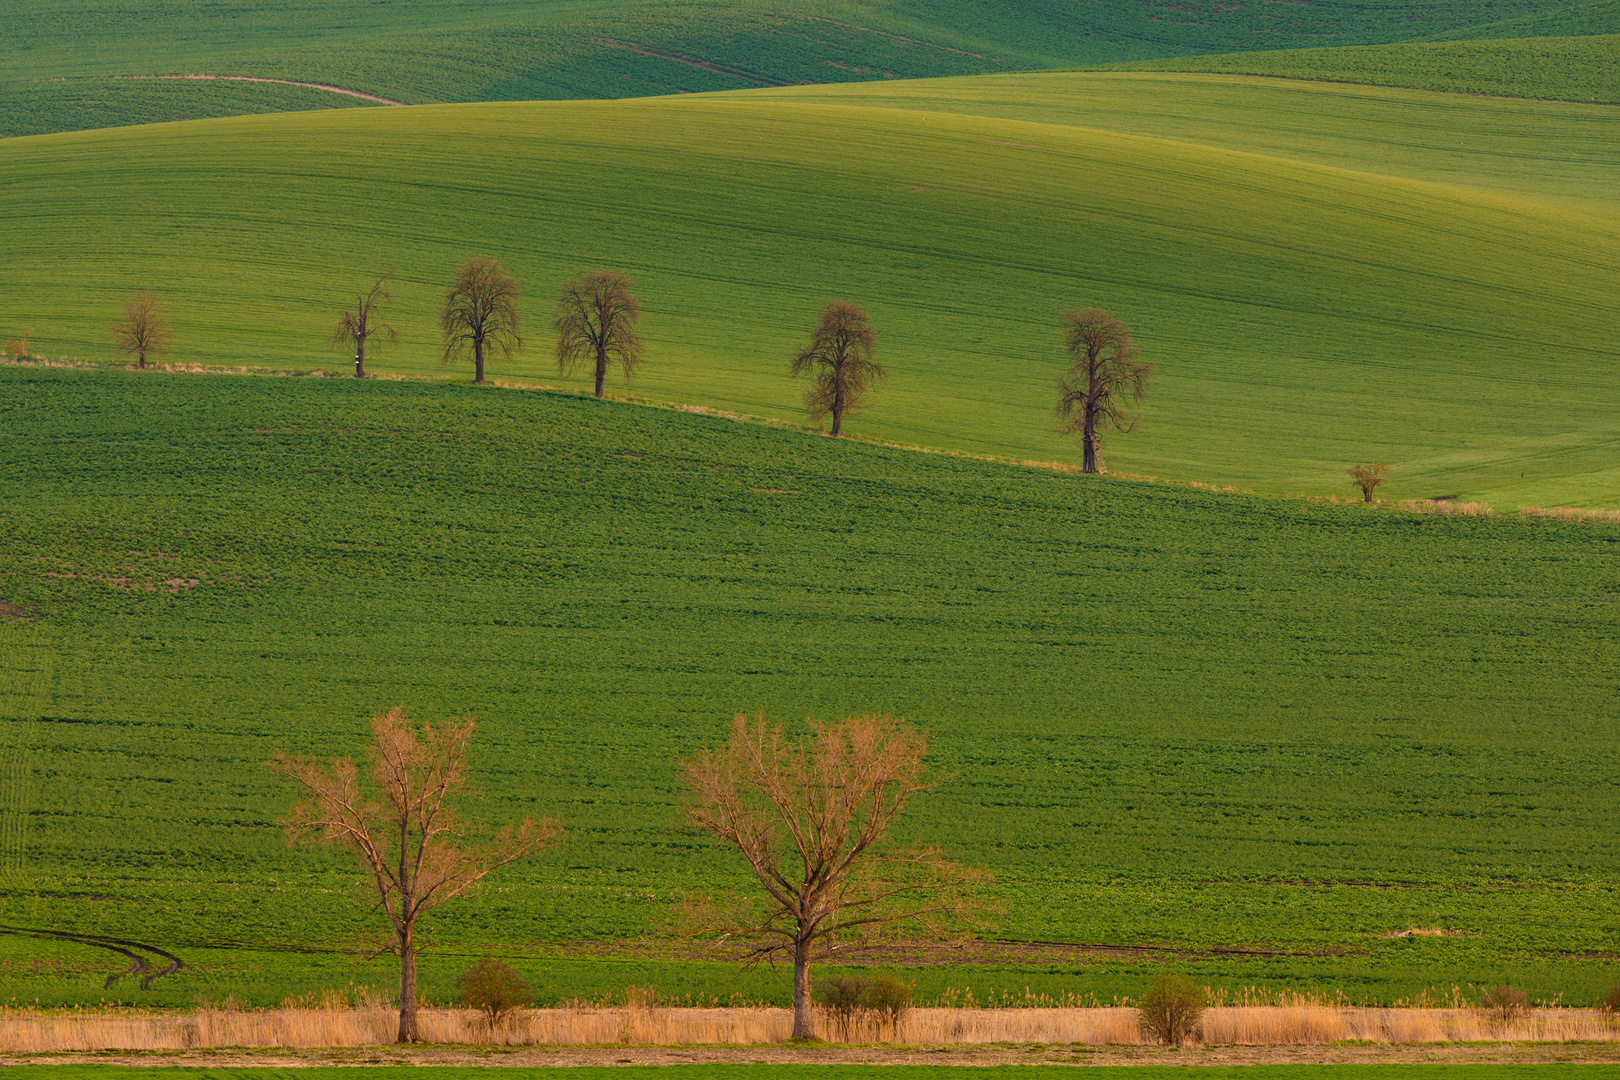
[[1368, 477], [361, 322], [411, 844], [839, 361], [143, 329], [480, 313], [1106, 368], [596, 320], [809, 818], [19, 347]]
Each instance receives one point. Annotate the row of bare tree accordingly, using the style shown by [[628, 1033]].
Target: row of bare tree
[[595, 321], [595, 327], [809, 817]]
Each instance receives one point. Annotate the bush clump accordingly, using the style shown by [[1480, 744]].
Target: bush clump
[[1171, 1009], [1504, 1003], [1609, 1004], [494, 988], [851, 1001]]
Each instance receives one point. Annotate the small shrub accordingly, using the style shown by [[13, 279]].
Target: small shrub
[[1504, 1003], [1171, 1009], [844, 997], [851, 1002], [1609, 1004], [494, 988], [890, 999]]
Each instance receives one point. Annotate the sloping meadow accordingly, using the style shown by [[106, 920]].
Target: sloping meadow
[[1168, 717], [1303, 317]]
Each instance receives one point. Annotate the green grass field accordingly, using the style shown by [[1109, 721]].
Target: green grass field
[[508, 50], [1555, 68], [1324, 274], [1174, 718], [35, 108]]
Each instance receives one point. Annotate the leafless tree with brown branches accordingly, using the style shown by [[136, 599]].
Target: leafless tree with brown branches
[[839, 362], [143, 329], [480, 313], [810, 818], [361, 322], [1368, 477], [1105, 368], [596, 321], [404, 828]]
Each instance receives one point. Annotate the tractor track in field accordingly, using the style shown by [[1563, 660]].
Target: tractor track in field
[[140, 965], [694, 61]]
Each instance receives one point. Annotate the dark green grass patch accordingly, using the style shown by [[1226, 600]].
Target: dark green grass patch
[[1172, 718], [1558, 68], [491, 50], [30, 108]]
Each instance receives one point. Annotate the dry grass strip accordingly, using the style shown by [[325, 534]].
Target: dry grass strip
[[30, 1032]]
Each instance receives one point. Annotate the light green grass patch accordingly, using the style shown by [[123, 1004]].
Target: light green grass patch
[[1303, 317]]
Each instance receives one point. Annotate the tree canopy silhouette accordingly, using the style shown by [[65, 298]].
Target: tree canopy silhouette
[[839, 363], [810, 818], [480, 314], [404, 829], [1105, 369], [596, 321]]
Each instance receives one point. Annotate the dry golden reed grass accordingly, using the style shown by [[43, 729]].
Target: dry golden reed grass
[[1264, 1025], [1450, 507], [1571, 513]]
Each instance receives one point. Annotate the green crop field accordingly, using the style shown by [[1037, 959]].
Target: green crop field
[[1173, 718], [1556, 68], [34, 108], [511, 50], [1324, 274]]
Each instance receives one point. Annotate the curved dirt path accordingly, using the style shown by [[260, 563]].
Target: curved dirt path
[[139, 965], [283, 82]]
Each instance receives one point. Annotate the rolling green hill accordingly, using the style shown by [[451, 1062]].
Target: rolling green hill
[[1174, 718], [1564, 20], [1324, 274], [436, 51], [1555, 68]]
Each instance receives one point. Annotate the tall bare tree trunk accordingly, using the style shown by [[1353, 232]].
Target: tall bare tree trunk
[[802, 1015], [142, 355], [601, 367], [407, 985], [478, 360], [838, 405], [1088, 439], [360, 358]]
